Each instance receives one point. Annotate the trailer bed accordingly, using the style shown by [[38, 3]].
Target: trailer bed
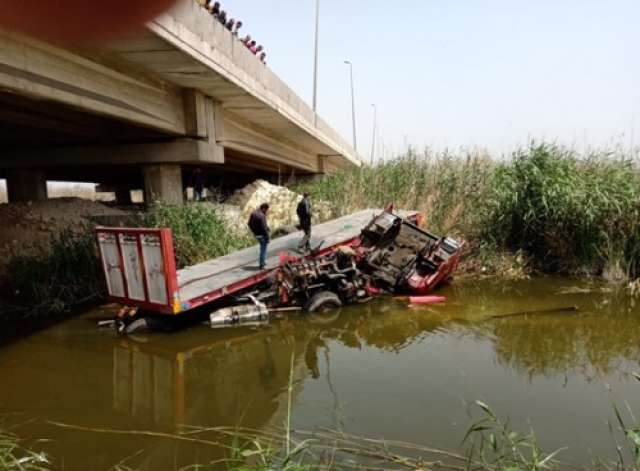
[[200, 280], [140, 269]]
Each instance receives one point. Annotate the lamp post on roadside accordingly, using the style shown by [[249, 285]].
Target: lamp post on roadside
[[353, 106], [375, 126], [315, 62]]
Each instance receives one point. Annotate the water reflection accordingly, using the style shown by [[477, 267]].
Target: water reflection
[[75, 374], [213, 379]]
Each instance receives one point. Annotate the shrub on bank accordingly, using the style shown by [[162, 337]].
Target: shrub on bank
[[200, 233], [568, 213], [69, 274]]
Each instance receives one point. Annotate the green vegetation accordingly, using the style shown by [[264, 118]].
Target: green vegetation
[[199, 232], [546, 207], [70, 274], [490, 444], [14, 457], [568, 213]]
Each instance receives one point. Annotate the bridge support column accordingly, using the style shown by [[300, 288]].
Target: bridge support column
[[26, 184], [163, 182]]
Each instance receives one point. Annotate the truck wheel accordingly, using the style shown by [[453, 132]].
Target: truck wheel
[[322, 301], [148, 324], [138, 326]]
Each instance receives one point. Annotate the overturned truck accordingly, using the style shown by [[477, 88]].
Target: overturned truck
[[389, 254]]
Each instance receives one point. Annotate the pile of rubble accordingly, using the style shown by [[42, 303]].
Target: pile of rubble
[[282, 202]]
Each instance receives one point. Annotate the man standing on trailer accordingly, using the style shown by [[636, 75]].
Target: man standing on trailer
[[260, 229], [304, 216]]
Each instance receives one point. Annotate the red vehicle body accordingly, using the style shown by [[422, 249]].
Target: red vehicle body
[[140, 268]]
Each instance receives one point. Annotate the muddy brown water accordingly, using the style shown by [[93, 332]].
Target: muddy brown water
[[381, 370]]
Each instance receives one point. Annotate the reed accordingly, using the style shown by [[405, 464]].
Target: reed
[[563, 211], [15, 457], [200, 233]]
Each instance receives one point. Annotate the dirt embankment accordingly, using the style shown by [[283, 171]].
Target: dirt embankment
[[27, 227]]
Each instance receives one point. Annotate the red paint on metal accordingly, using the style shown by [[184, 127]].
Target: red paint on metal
[[170, 273], [171, 277], [169, 267], [426, 299]]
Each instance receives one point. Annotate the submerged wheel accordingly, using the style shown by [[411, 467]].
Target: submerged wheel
[[138, 326], [148, 324], [322, 302]]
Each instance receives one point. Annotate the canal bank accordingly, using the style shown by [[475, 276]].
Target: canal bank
[[547, 209], [381, 370]]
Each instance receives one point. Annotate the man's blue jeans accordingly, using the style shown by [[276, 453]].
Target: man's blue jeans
[[263, 241]]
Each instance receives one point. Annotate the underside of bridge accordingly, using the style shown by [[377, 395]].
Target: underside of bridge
[[46, 141], [144, 111]]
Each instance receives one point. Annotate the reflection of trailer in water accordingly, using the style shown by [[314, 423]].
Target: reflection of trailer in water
[[205, 379]]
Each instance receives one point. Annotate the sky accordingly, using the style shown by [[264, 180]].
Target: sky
[[492, 74]]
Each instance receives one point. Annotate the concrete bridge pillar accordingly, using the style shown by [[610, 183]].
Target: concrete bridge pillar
[[26, 184], [163, 182]]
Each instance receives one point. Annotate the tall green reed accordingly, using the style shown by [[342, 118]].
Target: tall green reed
[[200, 233], [565, 212]]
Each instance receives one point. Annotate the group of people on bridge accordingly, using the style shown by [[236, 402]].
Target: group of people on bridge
[[260, 228], [234, 27]]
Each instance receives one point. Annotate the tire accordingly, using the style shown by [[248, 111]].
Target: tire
[[136, 327], [322, 301], [147, 324]]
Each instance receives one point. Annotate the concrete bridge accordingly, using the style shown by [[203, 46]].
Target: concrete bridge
[[143, 111]]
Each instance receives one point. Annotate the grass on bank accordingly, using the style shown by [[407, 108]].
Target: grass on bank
[[70, 274], [563, 212], [15, 457], [200, 233]]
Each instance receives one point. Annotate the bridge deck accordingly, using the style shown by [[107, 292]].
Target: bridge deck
[[205, 279]]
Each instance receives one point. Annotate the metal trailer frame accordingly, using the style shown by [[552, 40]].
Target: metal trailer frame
[[109, 235], [174, 305]]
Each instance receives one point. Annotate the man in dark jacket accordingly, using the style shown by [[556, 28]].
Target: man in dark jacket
[[260, 229], [304, 216]]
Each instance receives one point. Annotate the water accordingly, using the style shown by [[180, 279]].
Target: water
[[381, 370]]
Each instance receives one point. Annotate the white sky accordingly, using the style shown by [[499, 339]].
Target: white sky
[[488, 73]]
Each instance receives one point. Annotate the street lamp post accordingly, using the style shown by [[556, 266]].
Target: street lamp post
[[315, 62], [353, 106], [375, 126]]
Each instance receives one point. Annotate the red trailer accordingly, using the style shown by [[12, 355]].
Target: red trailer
[[140, 268], [380, 251]]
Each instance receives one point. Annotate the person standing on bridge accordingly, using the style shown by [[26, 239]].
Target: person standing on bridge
[[222, 18], [304, 216], [260, 229], [236, 30], [214, 9]]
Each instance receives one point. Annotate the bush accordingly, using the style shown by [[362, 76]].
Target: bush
[[68, 275], [569, 214], [199, 232]]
